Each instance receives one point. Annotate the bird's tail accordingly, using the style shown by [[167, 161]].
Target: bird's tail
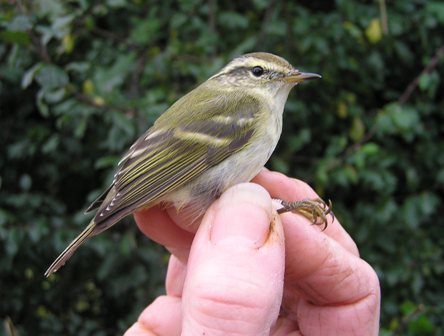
[[71, 248]]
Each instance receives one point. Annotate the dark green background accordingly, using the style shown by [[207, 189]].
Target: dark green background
[[81, 80]]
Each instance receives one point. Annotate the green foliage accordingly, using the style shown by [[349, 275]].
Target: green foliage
[[79, 80]]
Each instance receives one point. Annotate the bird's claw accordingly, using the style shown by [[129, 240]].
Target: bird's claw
[[316, 210]]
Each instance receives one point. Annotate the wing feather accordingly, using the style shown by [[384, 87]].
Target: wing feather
[[163, 160]]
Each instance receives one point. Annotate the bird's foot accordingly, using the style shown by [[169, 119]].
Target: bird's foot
[[315, 210]]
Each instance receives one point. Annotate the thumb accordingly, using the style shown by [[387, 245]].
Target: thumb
[[236, 267]]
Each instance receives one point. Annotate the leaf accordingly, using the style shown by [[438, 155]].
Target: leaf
[[353, 30], [54, 96], [117, 3], [342, 110], [51, 145], [110, 78], [88, 87], [422, 326], [68, 43], [25, 182], [232, 20], [51, 77], [260, 4], [396, 119], [20, 23], [145, 31], [61, 26], [373, 32], [429, 83], [436, 9], [357, 129], [299, 140], [405, 118], [29, 75], [52, 8], [336, 145], [41, 104], [424, 81], [17, 37], [78, 67], [80, 128], [370, 148]]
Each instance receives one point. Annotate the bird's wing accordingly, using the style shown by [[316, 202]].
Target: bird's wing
[[164, 158]]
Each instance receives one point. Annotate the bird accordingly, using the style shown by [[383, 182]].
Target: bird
[[219, 134]]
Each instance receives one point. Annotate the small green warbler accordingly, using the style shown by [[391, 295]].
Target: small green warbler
[[219, 134]]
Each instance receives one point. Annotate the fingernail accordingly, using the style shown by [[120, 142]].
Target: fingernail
[[242, 216]]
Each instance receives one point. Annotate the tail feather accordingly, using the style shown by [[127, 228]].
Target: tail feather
[[72, 247]]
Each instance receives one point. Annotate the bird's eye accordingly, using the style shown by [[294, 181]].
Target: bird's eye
[[257, 71]]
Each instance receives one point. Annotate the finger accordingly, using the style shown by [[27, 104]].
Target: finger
[[187, 218], [137, 329], [281, 187], [339, 288], [155, 319], [343, 291], [236, 266], [336, 286], [319, 262], [161, 318], [175, 279], [158, 226], [285, 327]]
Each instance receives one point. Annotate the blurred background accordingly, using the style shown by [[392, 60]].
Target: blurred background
[[80, 80]]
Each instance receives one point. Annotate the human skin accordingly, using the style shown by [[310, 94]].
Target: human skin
[[249, 271]]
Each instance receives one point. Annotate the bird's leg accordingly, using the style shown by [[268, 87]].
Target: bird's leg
[[315, 210]]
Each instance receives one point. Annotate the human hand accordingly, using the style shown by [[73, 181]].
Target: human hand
[[238, 275]]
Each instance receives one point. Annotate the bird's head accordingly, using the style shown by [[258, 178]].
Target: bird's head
[[261, 71]]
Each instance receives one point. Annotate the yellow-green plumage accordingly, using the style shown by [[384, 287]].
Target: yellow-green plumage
[[219, 134]]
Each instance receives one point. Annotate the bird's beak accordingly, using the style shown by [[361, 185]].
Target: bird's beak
[[297, 76]]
